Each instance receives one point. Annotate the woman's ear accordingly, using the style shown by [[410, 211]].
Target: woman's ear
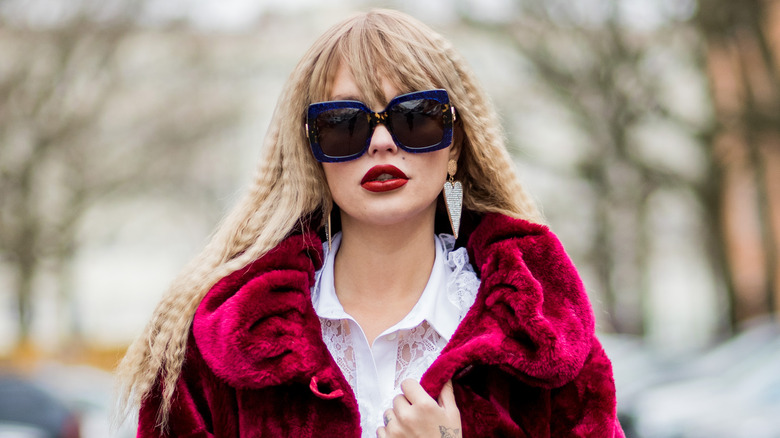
[[457, 140]]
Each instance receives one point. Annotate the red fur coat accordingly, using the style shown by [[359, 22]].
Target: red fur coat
[[524, 361]]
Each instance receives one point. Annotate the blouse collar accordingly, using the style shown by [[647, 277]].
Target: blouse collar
[[433, 305]]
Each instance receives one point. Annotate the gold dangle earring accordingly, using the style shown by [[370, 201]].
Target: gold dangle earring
[[453, 197]]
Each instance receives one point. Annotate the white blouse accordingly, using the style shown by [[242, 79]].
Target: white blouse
[[404, 350]]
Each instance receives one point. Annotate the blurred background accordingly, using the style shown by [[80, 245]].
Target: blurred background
[[648, 130]]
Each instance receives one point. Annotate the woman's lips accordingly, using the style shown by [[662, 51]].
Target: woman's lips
[[383, 178]]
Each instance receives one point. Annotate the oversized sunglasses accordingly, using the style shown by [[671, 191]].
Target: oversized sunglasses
[[341, 130]]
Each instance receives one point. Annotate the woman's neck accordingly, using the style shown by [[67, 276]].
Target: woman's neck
[[381, 272]]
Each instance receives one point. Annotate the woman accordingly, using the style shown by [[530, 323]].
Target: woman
[[329, 303]]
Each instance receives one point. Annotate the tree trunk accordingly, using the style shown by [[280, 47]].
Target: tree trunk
[[25, 275], [711, 193]]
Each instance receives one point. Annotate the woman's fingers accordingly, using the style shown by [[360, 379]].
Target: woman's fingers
[[416, 414], [400, 402], [388, 416], [447, 397], [414, 392]]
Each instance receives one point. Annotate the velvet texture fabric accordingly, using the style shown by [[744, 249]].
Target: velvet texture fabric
[[524, 362]]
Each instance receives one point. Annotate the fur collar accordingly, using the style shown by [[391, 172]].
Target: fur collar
[[531, 318]]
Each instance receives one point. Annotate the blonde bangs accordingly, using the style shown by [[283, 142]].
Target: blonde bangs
[[377, 46]]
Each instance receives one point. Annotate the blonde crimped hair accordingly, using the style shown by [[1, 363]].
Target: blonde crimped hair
[[290, 187]]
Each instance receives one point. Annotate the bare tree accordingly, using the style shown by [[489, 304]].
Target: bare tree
[[745, 73], [88, 115], [594, 62]]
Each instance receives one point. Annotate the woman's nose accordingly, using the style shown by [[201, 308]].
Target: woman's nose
[[381, 141]]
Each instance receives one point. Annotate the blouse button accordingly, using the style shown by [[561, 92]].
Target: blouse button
[[391, 337]]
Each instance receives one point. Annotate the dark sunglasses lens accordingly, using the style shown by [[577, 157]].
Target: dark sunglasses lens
[[417, 123], [342, 132]]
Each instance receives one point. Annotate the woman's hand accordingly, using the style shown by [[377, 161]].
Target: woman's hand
[[416, 414]]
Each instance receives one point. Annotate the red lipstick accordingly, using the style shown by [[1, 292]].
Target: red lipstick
[[383, 178]]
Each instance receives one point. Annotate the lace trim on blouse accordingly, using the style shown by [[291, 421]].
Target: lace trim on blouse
[[462, 283], [419, 346]]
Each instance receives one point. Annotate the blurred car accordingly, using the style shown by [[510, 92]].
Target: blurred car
[[28, 410], [635, 368], [16, 430], [736, 394], [87, 390], [752, 339]]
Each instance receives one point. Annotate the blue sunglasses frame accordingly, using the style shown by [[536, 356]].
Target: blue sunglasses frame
[[375, 118]]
